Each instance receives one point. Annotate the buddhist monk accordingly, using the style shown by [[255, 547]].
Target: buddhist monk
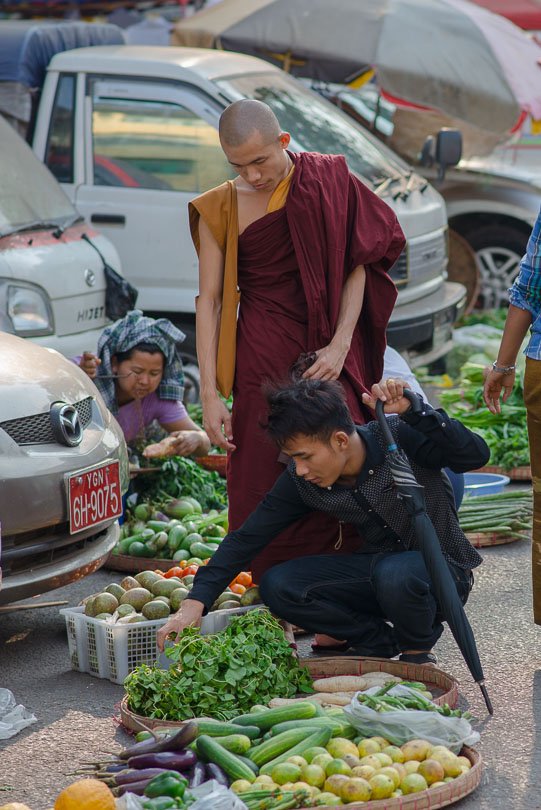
[[293, 261]]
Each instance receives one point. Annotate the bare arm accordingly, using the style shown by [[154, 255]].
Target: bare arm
[[517, 323], [207, 326], [331, 359]]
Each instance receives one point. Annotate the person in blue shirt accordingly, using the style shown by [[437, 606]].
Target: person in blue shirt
[[524, 313]]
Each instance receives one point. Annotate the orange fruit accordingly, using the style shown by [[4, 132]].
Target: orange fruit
[[238, 589]]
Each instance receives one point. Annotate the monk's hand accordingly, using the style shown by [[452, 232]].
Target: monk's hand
[[217, 423], [328, 364], [391, 393], [189, 615], [495, 384]]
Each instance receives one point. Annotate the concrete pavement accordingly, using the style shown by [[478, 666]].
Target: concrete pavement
[[77, 713]]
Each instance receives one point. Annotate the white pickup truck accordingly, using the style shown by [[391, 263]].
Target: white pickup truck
[[130, 132]]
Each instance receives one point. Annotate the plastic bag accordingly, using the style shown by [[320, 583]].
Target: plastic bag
[[400, 726], [213, 796], [209, 796], [13, 716]]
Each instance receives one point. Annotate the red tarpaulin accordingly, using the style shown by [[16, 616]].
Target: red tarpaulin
[[524, 13]]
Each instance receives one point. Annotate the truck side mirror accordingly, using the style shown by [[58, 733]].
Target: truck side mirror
[[445, 150]]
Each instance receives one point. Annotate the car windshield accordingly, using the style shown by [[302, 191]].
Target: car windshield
[[29, 194], [316, 125]]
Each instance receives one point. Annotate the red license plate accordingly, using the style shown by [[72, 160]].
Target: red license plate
[[94, 496]]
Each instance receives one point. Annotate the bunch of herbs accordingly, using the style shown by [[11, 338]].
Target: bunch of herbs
[[220, 675]]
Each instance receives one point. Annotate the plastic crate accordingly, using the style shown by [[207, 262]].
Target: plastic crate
[[112, 651]]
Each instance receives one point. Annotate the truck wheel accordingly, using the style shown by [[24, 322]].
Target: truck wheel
[[191, 383], [499, 250]]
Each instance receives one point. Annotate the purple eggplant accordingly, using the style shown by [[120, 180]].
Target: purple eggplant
[[132, 787], [172, 742], [131, 775], [215, 772], [197, 775], [115, 767], [170, 760]]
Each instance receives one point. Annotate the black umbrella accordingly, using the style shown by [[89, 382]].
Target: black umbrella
[[411, 493]]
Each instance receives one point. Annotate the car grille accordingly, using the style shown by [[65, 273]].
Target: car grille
[[421, 260], [44, 546], [399, 270], [37, 429]]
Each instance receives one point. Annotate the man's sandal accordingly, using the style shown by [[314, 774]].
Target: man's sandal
[[418, 658]]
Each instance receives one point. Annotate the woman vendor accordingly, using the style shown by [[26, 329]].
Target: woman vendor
[[138, 372]]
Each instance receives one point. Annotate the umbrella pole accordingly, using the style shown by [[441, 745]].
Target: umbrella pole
[[486, 697]]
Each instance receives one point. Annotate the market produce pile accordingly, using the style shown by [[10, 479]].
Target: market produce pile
[[178, 477], [509, 513], [219, 675], [151, 595], [505, 433], [306, 754], [171, 529]]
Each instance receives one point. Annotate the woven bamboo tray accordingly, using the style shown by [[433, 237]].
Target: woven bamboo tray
[[516, 474], [430, 799], [484, 539], [216, 463], [443, 686], [133, 565]]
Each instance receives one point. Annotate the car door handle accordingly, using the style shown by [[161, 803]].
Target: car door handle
[[108, 219]]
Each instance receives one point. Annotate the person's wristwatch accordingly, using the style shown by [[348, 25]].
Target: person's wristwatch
[[502, 369]]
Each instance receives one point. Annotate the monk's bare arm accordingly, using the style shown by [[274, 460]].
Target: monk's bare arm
[[331, 358], [207, 327]]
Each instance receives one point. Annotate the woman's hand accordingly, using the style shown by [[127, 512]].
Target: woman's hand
[[391, 393], [89, 363], [329, 363]]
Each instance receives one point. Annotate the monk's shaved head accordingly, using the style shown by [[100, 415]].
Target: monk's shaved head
[[243, 118]]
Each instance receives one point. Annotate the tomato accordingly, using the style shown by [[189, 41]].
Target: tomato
[[244, 578], [236, 588], [159, 572], [190, 569], [177, 571]]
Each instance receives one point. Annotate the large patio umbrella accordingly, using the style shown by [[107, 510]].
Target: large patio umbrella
[[446, 54], [411, 494]]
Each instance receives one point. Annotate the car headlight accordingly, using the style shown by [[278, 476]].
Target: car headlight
[[29, 311]]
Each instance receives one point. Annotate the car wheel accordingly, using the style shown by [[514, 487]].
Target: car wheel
[[499, 251]]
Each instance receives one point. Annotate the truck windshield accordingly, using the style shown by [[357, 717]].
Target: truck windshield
[[316, 125], [30, 197]]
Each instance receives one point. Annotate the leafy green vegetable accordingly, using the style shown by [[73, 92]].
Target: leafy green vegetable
[[489, 317], [220, 675], [505, 433], [180, 476]]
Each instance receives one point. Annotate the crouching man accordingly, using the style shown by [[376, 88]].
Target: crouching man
[[379, 598]]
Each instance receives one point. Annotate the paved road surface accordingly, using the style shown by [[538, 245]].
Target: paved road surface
[[76, 712]]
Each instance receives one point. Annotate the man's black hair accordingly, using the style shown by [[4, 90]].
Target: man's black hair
[[315, 408], [147, 348]]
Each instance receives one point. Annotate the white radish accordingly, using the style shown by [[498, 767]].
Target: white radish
[[340, 683]]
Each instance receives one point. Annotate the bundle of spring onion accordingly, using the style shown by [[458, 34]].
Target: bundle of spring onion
[[507, 513]]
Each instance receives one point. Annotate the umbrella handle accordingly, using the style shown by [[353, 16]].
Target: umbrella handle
[[416, 404]]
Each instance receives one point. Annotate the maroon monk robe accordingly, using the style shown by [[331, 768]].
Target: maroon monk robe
[[292, 266]]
